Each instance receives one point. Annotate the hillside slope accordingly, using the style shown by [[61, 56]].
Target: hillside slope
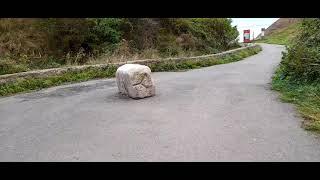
[[281, 32], [40, 43]]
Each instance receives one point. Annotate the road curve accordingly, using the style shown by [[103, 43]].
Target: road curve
[[220, 113]]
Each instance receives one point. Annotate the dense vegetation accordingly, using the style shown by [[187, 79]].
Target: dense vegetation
[[298, 77], [27, 44], [282, 36]]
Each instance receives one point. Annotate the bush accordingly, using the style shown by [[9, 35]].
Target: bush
[[208, 35], [8, 66], [302, 60]]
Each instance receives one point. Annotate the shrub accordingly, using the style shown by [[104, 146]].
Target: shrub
[[301, 62], [8, 66]]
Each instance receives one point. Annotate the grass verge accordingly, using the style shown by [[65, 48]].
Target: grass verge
[[29, 84], [306, 96], [199, 63]]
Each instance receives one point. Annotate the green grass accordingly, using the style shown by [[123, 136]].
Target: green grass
[[199, 63], [10, 65], [25, 85], [306, 96], [29, 84], [282, 36]]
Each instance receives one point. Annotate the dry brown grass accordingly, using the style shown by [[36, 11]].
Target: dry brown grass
[[21, 36], [124, 53]]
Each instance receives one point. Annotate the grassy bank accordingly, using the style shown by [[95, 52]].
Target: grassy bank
[[25, 85], [298, 76], [306, 96], [198, 63], [282, 36], [40, 43]]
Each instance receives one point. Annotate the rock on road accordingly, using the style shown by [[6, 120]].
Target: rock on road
[[219, 113]]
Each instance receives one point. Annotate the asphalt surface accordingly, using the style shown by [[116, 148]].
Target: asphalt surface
[[220, 113]]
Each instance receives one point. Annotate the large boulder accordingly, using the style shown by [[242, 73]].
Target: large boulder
[[134, 80]]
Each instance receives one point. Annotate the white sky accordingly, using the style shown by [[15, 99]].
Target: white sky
[[254, 24]]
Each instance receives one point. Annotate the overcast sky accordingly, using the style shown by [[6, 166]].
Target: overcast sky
[[254, 24]]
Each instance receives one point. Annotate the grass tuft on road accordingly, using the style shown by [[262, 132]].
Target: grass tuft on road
[[29, 84]]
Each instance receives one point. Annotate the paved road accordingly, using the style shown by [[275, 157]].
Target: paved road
[[220, 113]]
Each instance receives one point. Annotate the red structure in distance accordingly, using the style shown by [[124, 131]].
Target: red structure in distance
[[246, 36]]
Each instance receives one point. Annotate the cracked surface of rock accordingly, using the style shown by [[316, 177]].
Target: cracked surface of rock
[[134, 80]]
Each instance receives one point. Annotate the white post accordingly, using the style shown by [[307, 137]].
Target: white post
[[262, 33]]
